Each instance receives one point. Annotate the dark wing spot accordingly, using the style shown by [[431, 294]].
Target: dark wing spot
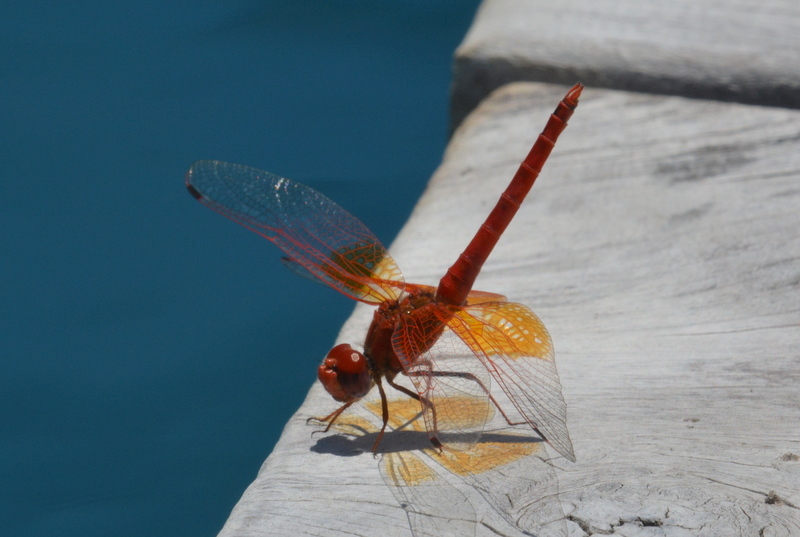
[[194, 192]]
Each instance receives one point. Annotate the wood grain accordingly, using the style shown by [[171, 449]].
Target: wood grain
[[725, 50], [661, 247]]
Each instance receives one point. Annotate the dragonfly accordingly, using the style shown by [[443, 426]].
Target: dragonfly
[[450, 341]]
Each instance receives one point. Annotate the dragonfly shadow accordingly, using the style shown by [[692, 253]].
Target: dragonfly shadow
[[360, 440]]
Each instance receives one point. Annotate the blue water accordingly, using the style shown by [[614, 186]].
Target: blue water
[[150, 350]]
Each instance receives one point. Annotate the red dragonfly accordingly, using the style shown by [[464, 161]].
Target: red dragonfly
[[450, 341]]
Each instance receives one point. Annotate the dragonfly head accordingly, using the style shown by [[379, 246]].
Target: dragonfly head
[[345, 373]]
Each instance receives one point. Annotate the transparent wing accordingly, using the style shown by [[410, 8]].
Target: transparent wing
[[434, 507], [510, 470], [316, 233], [514, 475], [515, 347]]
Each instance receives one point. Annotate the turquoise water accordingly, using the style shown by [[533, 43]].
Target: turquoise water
[[150, 350]]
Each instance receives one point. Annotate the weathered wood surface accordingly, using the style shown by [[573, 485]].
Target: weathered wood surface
[[661, 247], [725, 50]]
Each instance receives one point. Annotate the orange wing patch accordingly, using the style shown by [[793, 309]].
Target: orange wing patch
[[503, 328], [367, 270], [483, 457]]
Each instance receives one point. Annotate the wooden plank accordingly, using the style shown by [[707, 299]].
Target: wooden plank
[[661, 247], [725, 50]]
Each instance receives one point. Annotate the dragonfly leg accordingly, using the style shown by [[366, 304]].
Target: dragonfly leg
[[476, 380], [384, 412], [425, 402], [403, 389], [433, 433], [333, 416]]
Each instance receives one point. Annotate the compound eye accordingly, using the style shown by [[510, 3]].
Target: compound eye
[[345, 373]]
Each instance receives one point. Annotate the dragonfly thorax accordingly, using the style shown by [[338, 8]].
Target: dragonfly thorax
[[413, 319]]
